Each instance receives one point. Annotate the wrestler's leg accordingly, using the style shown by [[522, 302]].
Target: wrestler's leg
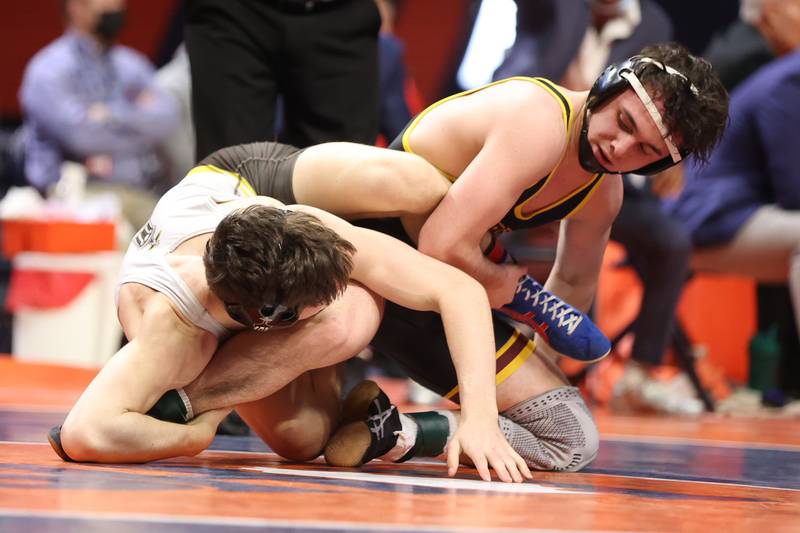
[[253, 365], [544, 419], [297, 420], [358, 181]]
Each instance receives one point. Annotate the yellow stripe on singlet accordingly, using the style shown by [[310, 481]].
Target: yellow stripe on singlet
[[566, 109], [569, 118], [594, 182], [512, 366], [247, 189]]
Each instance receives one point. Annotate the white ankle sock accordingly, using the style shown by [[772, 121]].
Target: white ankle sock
[[407, 436]]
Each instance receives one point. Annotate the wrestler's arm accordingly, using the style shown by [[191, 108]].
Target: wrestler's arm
[[482, 195], [107, 423], [402, 275], [581, 245]]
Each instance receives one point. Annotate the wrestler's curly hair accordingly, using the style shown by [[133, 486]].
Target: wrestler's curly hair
[[266, 255], [699, 120]]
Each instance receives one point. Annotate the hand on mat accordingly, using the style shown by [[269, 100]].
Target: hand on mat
[[481, 440]]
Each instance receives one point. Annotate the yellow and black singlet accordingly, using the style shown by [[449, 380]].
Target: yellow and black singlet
[[516, 218]]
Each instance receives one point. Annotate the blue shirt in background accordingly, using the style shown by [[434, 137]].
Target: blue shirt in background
[[60, 85], [755, 164]]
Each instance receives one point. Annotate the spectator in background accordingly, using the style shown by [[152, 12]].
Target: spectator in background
[[89, 100], [573, 41], [743, 209], [175, 79], [766, 29], [320, 56]]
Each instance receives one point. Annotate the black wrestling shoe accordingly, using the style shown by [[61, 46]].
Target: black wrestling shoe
[[233, 425], [54, 438], [368, 427]]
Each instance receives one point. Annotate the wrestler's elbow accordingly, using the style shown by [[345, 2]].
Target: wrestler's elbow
[[86, 438], [418, 187], [435, 244], [334, 332]]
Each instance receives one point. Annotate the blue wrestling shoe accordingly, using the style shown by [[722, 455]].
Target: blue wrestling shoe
[[566, 329]]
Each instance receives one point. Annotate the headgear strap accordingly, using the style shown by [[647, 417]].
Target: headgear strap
[[641, 92]]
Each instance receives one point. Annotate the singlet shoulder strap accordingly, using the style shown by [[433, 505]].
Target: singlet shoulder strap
[[547, 85]]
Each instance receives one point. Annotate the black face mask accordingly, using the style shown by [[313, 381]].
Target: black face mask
[[109, 24]]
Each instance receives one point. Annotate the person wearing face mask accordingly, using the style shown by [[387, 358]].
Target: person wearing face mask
[[89, 100]]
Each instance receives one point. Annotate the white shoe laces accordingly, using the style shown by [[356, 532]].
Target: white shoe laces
[[559, 311]]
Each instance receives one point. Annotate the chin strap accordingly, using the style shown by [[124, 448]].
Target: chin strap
[[585, 156]]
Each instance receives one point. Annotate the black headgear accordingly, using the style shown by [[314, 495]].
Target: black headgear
[[614, 80], [265, 318]]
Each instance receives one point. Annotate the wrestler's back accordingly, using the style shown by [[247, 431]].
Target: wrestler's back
[[186, 261]]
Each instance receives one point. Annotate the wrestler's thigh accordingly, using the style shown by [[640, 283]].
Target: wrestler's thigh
[[297, 420], [359, 181], [535, 376]]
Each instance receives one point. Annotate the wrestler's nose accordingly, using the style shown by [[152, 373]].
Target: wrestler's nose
[[622, 144]]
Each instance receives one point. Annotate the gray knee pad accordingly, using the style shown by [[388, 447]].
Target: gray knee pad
[[553, 431]]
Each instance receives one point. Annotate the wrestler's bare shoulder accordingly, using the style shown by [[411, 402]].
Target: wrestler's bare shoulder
[[520, 95], [135, 299]]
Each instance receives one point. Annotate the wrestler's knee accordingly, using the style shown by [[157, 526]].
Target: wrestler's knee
[[553, 431], [303, 437]]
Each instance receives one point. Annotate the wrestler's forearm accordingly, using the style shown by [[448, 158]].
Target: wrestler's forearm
[[242, 372], [578, 292], [470, 337], [137, 438], [466, 255]]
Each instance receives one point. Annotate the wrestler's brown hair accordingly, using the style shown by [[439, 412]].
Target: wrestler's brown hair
[[266, 255], [699, 119]]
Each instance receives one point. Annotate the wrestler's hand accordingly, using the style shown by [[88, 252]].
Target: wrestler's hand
[[481, 440], [503, 289]]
